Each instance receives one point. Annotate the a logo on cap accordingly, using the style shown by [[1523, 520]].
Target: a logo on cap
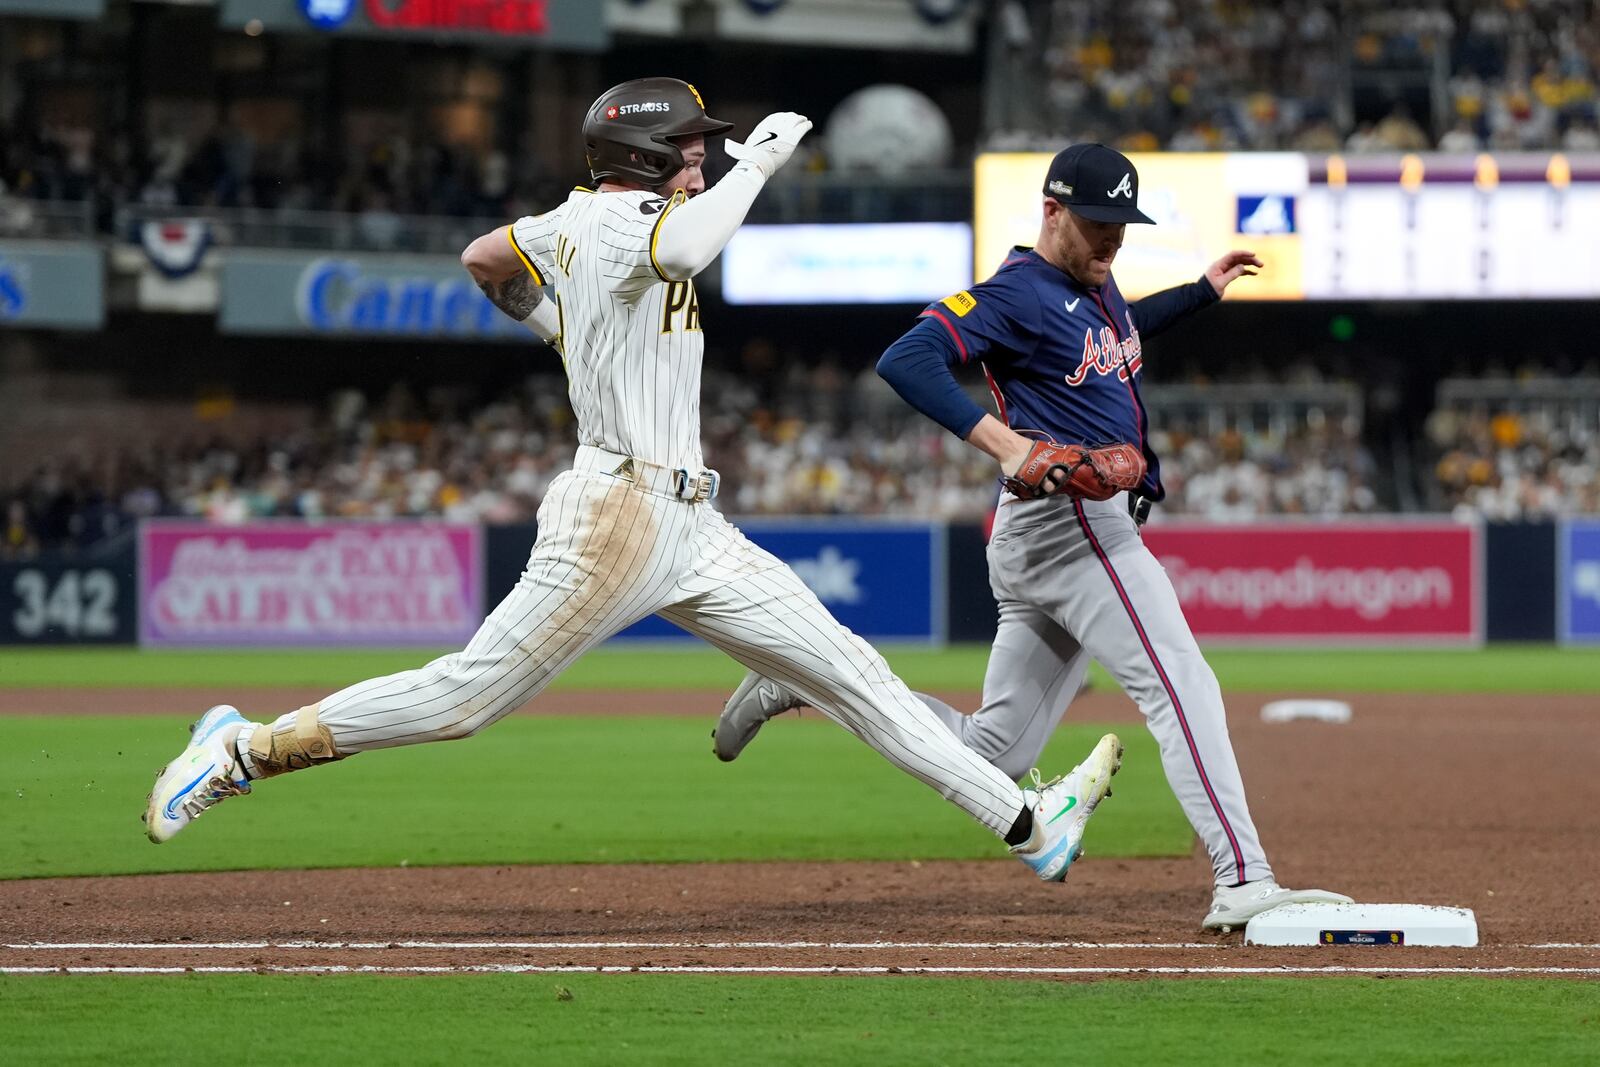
[[1060, 187], [1124, 188], [696, 94], [611, 112]]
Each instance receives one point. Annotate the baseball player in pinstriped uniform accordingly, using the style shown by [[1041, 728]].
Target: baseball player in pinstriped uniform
[[1063, 353], [630, 530]]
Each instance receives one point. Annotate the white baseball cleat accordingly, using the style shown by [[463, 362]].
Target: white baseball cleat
[[1061, 811], [204, 774], [1234, 906], [755, 701]]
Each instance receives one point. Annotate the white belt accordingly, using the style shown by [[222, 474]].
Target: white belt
[[679, 483]]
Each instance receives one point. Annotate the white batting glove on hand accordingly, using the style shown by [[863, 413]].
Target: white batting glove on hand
[[772, 142]]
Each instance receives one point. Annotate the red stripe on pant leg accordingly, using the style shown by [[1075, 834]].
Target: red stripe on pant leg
[[1172, 694]]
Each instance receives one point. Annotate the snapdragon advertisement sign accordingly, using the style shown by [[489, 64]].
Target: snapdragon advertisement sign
[[1350, 583], [884, 580], [354, 584], [359, 296]]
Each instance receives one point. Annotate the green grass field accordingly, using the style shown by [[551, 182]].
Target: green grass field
[[1494, 669], [71, 791], [650, 1019], [74, 789]]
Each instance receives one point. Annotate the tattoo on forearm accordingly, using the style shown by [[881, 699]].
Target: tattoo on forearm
[[517, 296]]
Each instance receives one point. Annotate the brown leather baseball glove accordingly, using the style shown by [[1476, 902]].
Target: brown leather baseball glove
[[1091, 473]]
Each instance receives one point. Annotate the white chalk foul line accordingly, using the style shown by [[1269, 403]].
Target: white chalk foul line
[[558, 945], [709, 946], [521, 968]]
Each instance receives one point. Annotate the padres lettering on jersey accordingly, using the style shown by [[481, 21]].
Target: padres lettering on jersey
[[630, 335]]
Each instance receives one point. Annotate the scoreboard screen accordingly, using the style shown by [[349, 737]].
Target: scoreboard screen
[[1382, 227]]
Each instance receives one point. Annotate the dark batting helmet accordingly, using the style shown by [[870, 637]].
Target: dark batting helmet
[[628, 131]]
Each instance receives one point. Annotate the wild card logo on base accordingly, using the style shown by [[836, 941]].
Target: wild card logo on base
[[327, 14]]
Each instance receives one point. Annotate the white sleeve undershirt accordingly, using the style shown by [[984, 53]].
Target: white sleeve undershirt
[[544, 321], [693, 234]]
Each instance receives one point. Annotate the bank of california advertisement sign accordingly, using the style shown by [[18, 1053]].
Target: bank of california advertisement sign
[[289, 583], [1352, 582]]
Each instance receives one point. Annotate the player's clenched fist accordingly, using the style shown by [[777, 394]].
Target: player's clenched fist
[[772, 142]]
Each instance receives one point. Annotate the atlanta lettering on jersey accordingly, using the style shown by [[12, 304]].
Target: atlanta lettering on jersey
[[1109, 354]]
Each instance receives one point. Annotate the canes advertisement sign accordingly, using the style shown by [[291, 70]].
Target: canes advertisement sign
[[292, 584], [358, 295], [1350, 583]]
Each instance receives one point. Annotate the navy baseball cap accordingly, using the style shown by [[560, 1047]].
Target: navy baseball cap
[[1096, 182]]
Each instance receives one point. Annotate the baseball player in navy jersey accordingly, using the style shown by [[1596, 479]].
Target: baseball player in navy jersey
[[1063, 352], [631, 530]]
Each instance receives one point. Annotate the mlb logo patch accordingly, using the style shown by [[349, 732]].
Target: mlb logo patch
[[1266, 214]]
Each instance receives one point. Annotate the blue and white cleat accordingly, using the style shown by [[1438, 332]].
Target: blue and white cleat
[[204, 774], [1061, 811]]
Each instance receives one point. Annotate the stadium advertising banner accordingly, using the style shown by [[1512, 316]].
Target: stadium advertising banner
[[1353, 583], [358, 295], [1382, 227], [58, 9], [58, 600], [290, 583], [567, 24], [1578, 575], [52, 284], [885, 580], [868, 263]]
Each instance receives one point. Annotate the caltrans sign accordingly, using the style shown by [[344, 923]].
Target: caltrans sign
[[570, 24]]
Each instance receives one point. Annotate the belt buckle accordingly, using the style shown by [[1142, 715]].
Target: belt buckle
[[710, 483]]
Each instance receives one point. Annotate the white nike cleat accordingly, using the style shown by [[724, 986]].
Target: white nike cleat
[[1061, 811], [203, 775], [1234, 906], [755, 701]]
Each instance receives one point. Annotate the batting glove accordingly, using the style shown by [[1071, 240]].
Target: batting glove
[[772, 142]]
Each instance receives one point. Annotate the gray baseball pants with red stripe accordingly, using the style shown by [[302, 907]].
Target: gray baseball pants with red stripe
[[1075, 582]]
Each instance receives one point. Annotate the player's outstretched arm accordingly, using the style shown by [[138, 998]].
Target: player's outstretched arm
[[693, 234], [1160, 310], [495, 266]]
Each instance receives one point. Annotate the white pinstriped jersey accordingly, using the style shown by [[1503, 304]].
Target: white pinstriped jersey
[[630, 336]]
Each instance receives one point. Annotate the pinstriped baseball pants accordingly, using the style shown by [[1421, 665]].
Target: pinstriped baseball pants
[[607, 554]]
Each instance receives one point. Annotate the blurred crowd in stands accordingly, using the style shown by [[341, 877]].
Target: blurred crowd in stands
[[1515, 465], [1220, 75], [849, 446], [1462, 75], [819, 441], [380, 181]]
